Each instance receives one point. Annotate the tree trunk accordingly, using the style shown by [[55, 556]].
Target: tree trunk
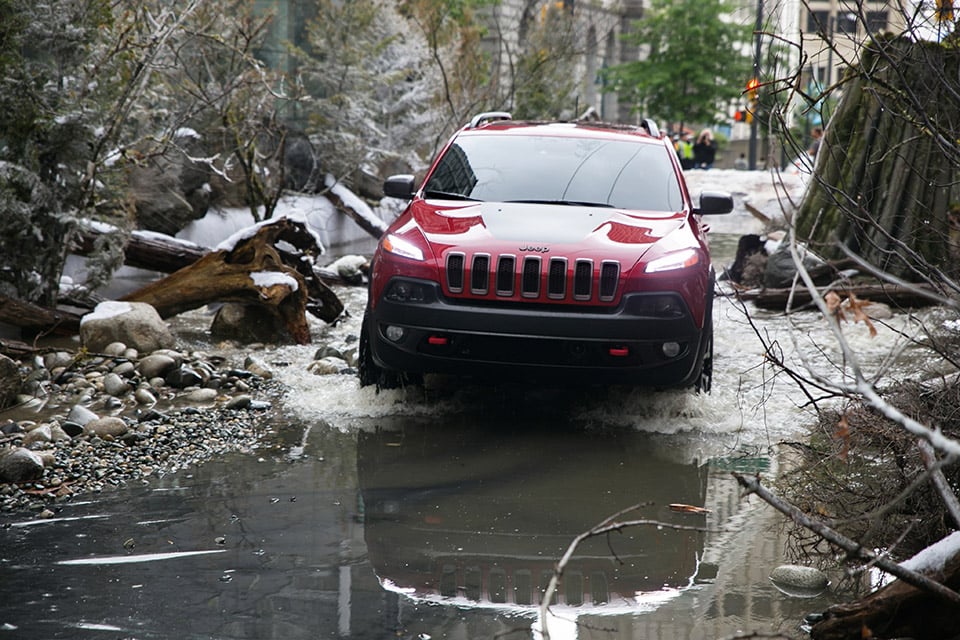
[[884, 173]]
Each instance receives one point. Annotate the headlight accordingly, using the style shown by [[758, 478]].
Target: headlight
[[671, 261], [400, 247]]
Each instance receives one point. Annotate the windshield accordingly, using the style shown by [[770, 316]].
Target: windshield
[[536, 168]]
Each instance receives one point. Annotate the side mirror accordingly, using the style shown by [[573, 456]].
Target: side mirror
[[399, 186], [714, 202]]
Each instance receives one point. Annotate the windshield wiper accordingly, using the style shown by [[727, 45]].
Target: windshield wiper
[[571, 203], [446, 195]]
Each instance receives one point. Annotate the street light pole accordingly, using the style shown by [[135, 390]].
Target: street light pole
[[752, 159]]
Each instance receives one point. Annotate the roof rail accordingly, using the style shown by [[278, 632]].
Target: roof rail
[[650, 127], [489, 116]]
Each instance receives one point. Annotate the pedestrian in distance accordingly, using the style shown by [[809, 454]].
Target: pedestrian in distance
[[705, 150], [684, 148]]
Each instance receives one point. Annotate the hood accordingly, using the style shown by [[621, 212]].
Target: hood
[[488, 223]]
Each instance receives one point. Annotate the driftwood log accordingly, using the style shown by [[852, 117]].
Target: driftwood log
[[895, 295], [898, 610], [255, 272]]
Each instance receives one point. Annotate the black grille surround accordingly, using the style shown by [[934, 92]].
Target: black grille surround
[[533, 278]]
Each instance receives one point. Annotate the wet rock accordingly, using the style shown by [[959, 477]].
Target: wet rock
[[110, 426], [156, 365], [201, 396], [799, 580], [58, 434], [239, 402], [81, 415], [10, 427], [41, 433], [10, 381], [329, 351], [20, 465], [57, 360], [258, 368], [115, 386], [326, 366], [115, 349], [143, 396], [248, 324], [125, 369], [183, 377], [136, 324]]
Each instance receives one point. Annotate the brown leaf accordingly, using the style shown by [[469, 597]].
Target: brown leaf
[[687, 508]]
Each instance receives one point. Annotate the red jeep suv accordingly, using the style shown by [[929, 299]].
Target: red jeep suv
[[563, 252]]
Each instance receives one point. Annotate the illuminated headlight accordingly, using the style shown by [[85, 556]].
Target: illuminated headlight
[[676, 260], [400, 247], [404, 291]]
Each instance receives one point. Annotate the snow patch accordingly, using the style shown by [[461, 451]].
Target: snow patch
[[933, 559], [271, 278], [107, 309]]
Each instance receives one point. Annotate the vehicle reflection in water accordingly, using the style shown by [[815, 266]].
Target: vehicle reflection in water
[[474, 517]]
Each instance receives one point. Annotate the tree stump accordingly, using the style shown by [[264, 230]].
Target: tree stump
[[885, 173]]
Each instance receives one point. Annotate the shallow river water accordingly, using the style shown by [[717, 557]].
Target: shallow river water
[[440, 512]]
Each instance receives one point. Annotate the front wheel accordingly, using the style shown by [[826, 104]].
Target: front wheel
[[704, 380], [369, 372]]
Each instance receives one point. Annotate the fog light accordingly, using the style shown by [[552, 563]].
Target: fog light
[[394, 333], [671, 349]]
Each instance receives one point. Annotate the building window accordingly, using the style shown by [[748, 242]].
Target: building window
[[877, 21], [846, 23], [817, 22]]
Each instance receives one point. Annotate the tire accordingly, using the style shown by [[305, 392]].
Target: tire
[[705, 379], [370, 373]]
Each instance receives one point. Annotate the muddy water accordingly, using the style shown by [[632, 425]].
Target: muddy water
[[439, 512]]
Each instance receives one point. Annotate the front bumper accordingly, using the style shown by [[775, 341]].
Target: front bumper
[[622, 344]]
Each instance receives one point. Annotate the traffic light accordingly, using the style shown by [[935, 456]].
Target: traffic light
[[752, 86], [743, 115]]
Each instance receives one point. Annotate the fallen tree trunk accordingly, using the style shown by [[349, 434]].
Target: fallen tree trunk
[[36, 318], [894, 295], [252, 272], [149, 250]]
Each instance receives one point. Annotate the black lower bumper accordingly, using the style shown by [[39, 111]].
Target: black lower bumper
[[649, 339]]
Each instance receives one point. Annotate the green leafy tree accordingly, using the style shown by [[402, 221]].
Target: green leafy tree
[[695, 60]]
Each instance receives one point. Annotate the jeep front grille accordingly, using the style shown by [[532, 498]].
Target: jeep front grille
[[532, 277]]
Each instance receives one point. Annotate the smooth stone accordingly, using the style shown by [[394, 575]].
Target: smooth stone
[[115, 349], [799, 577], [239, 402], [81, 415], [41, 433], [20, 465], [143, 396], [156, 365], [115, 386], [109, 426], [201, 395]]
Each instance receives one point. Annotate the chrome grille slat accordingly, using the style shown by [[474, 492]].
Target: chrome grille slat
[[455, 272], [609, 278], [532, 277], [480, 274], [557, 279], [583, 279], [506, 274]]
